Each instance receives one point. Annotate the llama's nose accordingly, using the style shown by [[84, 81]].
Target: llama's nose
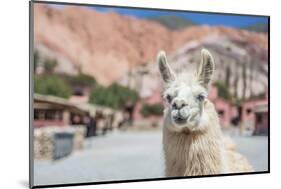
[[179, 103]]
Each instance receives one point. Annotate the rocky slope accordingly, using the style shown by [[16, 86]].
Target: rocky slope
[[242, 68], [108, 45]]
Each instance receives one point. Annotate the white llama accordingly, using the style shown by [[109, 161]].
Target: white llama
[[192, 137]]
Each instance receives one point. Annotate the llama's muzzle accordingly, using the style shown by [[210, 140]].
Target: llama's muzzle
[[185, 115], [180, 115]]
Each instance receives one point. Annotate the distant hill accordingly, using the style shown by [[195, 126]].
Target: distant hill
[[108, 45], [231, 68], [259, 27], [173, 22]]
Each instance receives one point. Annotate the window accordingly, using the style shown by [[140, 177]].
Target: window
[[221, 113], [53, 115], [49, 115], [249, 110], [36, 114], [259, 118], [39, 115]]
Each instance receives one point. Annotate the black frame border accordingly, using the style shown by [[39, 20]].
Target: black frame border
[[31, 48]]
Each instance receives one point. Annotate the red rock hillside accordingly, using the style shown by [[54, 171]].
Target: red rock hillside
[[107, 45]]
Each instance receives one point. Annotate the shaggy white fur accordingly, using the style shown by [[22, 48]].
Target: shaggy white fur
[[192, 137]]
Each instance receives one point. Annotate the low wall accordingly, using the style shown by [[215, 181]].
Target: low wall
[[51, 143]]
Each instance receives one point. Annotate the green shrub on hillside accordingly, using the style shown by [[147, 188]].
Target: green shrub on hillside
[[114, 96], [35, 60], [152, 109], [50, 65], [223, 91], [51, 85], [82, 80]]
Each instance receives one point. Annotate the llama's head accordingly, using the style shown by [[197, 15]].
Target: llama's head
[[186, 94]]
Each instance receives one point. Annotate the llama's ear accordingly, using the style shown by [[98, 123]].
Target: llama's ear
[[206, 68], [166, 72]]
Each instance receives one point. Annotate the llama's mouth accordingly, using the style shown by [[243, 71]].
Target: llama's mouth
[[180, 120]]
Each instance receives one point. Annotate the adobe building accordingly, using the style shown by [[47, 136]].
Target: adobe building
[[255, 115], [261, 120], [56, 111], [226, 111]]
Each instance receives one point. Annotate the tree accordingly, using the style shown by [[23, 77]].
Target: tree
[[152, 109], [50, 65], [35, 60], [235, 84], [114, 96], [223, 91], [244, 79], [227, 76], [51, 85], [81, 80]]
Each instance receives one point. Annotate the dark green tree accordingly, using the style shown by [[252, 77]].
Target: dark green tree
[[235, 84], [35, 60], [50, 65], [152, 109], [81, 80], [244, 79], [114, 96], [51, 85], [223, 91], [227, 75]]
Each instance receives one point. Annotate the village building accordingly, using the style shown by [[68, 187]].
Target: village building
[[255, 115], [56, 111], [226, 111], [261, 120], [61, 125], [154, 98]]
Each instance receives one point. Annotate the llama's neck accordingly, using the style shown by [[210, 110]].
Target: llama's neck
[[195, 153]]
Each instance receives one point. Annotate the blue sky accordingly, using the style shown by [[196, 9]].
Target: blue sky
[[236, 21], [199, 18]]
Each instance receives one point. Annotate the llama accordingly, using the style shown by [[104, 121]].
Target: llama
[[192, 139]]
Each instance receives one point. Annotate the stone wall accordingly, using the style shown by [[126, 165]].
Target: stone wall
[[44, 140]]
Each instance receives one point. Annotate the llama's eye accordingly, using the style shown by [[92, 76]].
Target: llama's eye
[[200, 97], [169, 98]]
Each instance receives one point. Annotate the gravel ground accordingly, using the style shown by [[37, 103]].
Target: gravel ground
[[255, 148], [128, 155]]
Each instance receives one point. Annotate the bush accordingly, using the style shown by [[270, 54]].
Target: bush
[[51, 85], [152, 109], [261, 95], [85, 80], [114, 96], [81, 80], [36, 59], [223, 91], [50, 65]]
